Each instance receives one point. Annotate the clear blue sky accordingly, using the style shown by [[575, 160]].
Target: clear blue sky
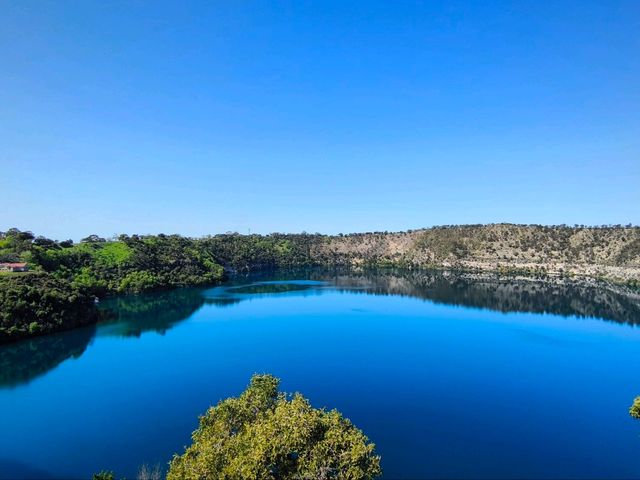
[[206, 117]]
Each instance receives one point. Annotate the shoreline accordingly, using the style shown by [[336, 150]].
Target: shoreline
[[471, 274]]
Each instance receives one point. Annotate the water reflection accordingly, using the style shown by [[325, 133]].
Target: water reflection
[[244, 288], [23, 361], [561, 296], [131, 316], [504, 293]]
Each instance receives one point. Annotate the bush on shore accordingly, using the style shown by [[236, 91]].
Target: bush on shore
[[38, 303]]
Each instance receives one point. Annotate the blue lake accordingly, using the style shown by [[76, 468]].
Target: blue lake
[[449, 375]]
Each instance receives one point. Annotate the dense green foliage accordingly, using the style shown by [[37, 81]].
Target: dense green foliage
[[249, 252], [128, 264], [37, 303], [634, 411], [265, 434]]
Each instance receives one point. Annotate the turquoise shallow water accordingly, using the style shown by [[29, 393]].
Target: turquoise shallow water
[[450, 376]]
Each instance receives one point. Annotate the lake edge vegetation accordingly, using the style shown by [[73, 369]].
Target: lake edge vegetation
[[96, 267]]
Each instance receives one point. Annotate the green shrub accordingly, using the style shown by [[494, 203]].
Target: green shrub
[[34, 328], [103, 475], [136, 282], [634, 411], [264, 434]]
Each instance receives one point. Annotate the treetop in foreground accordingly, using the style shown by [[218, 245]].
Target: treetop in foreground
[[267, 434]]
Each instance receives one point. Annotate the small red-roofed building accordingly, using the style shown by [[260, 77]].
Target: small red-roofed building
[[13, 267]]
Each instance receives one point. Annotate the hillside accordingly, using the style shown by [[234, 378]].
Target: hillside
[[112, 266], [97, 267], [611, 253]]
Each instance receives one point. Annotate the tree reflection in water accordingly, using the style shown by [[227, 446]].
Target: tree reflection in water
[[25, 360], [559, 296], [131, 316]]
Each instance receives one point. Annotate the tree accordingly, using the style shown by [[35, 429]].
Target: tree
[[103, 475], [93, 239], [634, 411], [265, 434]]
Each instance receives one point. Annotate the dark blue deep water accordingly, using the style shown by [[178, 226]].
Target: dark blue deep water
[[451, 376]]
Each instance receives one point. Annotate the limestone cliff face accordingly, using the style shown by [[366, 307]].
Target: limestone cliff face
[[608, 252]]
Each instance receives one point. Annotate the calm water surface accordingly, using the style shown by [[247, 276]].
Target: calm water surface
[[450, 376]]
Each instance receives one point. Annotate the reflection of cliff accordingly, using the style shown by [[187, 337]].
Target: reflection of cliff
[[159, 311], [507, 294], [23, 361], [132, 315]]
